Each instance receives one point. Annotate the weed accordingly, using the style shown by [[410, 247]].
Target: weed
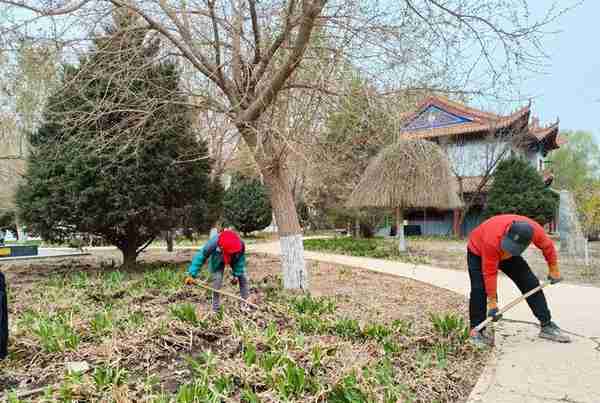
[[311, 325], [292, 382], [248, 396], [270, 360], [347, 328], [198, 391], [424, 359], [448, 324], [224, 385], [402, 326], [79, 280], [113, 279], [55, 333], [391, 347], [347, 391], [249, 354], [135, 320], [102, 323], [376, 331], [12, 398], [106, 376], [441, 351], [162, 398], [313, 306], [164, 278], [186, 313]]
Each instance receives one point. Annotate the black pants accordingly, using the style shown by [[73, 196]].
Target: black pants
[[3, 318], [517, 269]]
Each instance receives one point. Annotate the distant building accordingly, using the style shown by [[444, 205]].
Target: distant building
[[475, 141]]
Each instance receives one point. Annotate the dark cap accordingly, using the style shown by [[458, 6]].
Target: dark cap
[[518, 238]]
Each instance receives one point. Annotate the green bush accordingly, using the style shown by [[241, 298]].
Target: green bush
[[247, 206], [519, 189]]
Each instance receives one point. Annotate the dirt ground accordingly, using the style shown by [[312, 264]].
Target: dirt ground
[[451, 254], [380, 339]]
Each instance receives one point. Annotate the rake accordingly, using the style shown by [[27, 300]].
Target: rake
[[511, 305]]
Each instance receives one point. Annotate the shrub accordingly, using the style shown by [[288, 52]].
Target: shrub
[[519, 189], [247, 206]]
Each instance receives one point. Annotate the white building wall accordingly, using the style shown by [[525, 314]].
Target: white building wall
[[474, 157]]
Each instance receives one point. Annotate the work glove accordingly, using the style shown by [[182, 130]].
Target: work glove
[[493, 310], [190, 281], [554, 274]]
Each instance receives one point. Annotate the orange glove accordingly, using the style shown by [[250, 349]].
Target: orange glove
[[190, 281], [554, 273], [492, 306]]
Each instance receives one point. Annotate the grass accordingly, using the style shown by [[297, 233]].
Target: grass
[[158, 346], [372, 247]]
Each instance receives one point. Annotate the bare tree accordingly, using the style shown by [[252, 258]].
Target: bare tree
[[249, 52]]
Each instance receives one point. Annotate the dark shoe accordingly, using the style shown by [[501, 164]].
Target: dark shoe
[[552, 332]]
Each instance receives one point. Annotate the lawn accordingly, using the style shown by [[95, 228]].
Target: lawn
[[144, 337], [380, 248]]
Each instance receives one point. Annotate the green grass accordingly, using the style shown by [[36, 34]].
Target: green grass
[[372, 247]]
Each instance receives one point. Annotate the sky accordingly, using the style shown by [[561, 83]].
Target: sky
[[570, 87]]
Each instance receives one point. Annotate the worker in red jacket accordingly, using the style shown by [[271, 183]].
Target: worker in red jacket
[[498, 243]]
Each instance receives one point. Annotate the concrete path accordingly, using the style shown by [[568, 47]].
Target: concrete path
[[525, 368]]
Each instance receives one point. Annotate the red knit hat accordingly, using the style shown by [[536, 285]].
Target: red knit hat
[[230, 243]]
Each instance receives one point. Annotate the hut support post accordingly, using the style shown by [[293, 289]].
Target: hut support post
[[400, 230]]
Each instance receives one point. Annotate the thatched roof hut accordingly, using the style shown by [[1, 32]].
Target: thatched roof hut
[[408, 174]]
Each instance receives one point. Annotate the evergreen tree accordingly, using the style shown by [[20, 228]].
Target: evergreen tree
[[247, 206], [518, 188], [117, 173]]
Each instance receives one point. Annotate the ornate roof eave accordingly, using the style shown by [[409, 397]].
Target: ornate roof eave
[[548, 137], [518, 119]]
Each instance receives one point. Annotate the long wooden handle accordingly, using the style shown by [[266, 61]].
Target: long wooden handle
[[511, 304]]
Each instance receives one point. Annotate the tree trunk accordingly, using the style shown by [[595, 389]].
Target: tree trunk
[[20, 232], [357, 227], [400, 230], [129, 251], [295, 275], [169, 238]]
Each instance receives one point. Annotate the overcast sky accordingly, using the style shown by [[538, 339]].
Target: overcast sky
[[570, 89]]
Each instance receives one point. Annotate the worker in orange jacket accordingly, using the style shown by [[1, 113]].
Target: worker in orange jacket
[[498, 243]]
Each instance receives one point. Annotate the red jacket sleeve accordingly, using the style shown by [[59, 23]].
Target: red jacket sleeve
[[543, 242], [490, 260]]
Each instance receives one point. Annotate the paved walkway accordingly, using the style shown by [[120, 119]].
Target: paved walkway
[[526, 368]]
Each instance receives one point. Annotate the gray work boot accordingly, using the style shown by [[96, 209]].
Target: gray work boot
[[552, 332], [480, 339]]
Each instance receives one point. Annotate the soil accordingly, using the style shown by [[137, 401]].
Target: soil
[[157, 349]]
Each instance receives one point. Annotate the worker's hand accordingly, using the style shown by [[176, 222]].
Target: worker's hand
[[233, 281], [493, 310], [190, 281], [554, 274]]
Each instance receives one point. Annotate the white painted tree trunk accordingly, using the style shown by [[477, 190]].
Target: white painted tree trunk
[[294, 265], [400, 230], [20, 232]]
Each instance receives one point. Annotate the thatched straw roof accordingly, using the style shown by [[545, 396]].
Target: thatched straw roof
[[408, 174]]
